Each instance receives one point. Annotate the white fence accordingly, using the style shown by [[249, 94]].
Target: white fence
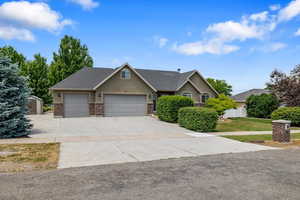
[[239, 112]]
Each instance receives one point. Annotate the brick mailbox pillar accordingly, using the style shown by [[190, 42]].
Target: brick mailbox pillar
[[281, 130]]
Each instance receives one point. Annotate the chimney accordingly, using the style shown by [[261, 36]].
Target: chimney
[[178, 70]]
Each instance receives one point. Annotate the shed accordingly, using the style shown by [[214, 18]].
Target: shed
[[35, 105]]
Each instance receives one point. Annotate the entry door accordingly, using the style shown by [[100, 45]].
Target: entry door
[[124, 105]]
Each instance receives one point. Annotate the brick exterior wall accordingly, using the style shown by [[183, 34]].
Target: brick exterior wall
[[58, 110], [99, 109], [92, 108], [150, 108], [31, 106], [281, 131]]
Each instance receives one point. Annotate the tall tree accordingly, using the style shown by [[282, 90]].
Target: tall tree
[[286, 86], [13, 101], [220, 86], [37, 73], [71, 57], [14, 56]]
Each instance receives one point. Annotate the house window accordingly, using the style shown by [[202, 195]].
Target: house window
[[187, 95], [125, 74], [204, 97]]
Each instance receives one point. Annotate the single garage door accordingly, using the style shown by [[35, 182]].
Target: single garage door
[[124, 105], [76, 105]]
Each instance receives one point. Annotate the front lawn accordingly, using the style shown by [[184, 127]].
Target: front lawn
[[28, 157], [246, 124]]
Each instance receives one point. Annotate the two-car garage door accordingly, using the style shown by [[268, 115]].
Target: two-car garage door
[[124, 105], [76, 105]]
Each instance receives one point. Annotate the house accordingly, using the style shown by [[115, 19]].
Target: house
[[34, 105], [242, 97], [124, 91]]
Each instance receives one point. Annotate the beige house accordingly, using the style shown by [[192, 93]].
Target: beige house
[[124, 91]]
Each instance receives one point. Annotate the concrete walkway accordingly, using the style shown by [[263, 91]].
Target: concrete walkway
[[248, 132]]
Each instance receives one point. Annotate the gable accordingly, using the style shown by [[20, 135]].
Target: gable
[[189, 88], [203, 86], [116, 84]]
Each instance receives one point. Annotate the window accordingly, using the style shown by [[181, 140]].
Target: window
[[187, 95], [125, 74], [204, 97]]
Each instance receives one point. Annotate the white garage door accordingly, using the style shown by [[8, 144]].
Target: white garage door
[[124, 105], [76, 105]]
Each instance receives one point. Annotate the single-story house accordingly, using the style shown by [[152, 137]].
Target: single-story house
[[124, 91], [242, 97]]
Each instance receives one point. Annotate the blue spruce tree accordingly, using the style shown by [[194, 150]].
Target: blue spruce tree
[[13, 101]]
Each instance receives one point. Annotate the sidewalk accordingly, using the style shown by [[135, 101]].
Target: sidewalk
[[247, 133]]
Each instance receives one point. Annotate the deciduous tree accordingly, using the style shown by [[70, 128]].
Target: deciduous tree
[[71, 57], [221, 86]]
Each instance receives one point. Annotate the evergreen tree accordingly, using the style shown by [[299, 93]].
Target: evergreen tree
[[15, 57], [37, 73], [71, 57], [13, 101]]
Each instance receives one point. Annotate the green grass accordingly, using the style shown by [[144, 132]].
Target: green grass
[[251, 138], [246, 124]]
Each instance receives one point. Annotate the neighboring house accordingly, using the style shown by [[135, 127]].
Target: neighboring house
[[34, 105], [124, 91], [242, 97], [241, 101]]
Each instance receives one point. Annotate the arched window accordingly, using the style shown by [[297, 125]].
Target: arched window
[[125, 74]]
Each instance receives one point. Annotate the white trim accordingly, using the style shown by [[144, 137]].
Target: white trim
[[120, 68], [187, 94]]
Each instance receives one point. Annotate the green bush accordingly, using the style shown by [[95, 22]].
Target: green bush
[[261, 106], [287, 113], [47, 108], [198, 119], [221, 103], [168, 106]]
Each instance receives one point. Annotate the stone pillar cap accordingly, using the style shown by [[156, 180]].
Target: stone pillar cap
[[281, 121]]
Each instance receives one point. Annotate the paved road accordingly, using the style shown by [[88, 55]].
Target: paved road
[[263, 175]]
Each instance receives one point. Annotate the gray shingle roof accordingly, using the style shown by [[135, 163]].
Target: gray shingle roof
[[242, 97], [88, 78]]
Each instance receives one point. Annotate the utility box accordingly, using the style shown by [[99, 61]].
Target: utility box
[[281, 130]]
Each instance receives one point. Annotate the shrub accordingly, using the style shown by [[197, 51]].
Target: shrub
[[261, 106], [221, 103], [47, 108], [287, 113], [198, 119], [168, 106]]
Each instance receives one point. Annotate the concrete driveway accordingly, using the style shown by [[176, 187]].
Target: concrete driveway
[[97, 141]]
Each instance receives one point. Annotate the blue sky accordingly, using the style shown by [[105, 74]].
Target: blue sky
[[238, 41]]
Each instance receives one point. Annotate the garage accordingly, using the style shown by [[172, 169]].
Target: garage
[[76, 105], [124, 105]]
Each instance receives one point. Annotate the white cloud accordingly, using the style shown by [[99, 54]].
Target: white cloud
[[34, 15], [160, 41], [274, 7], [17, 18], [262, 16], [86, 4], [9, 33], [277, 46], [200, 47], [290, 11], [297, 33]]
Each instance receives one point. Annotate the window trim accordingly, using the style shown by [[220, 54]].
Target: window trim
[[187, 94], [125, 71]]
